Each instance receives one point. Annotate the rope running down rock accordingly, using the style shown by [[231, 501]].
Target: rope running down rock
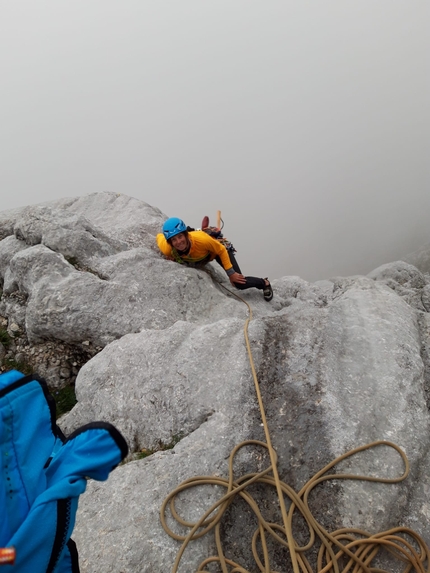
[[347, 550]]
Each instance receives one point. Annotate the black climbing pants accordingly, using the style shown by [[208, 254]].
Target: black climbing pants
[[251, 282]]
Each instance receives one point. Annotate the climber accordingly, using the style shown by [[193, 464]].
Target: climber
[[196, 248]]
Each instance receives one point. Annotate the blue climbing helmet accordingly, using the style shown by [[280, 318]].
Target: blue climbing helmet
[[173, 226]]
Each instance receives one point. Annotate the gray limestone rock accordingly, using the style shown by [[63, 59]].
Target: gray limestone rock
[[375, 391], [425, 298], [420, 258], [143, 292], [121, 217], [332, 378], [289, 289], [9, 247], [340, 363], [399, 272], [74, 236], [135, 539], [7, 221], [14, 310], [152, 400], [405, 279]]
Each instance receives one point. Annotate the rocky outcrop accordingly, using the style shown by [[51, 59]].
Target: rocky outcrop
[[420, 258], [50, 290], [340, 363]]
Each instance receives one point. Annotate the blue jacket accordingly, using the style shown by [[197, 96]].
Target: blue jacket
[[43, 475]]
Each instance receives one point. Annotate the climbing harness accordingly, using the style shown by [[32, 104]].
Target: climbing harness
[[195, 264], [216, 233], [347, 550]]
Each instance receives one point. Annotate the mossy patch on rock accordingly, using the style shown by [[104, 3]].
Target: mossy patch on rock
[[65, 399]]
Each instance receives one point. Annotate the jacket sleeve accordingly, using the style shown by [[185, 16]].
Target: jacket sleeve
[[164, 246], [218, 250], [42, 474], [42, 541]]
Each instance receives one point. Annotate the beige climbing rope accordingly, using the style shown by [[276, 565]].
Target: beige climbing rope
[[346, 550]]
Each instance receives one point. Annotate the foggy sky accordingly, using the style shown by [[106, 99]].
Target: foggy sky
[[305, 122]]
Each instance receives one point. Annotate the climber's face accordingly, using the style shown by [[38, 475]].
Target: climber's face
[[180, 242]]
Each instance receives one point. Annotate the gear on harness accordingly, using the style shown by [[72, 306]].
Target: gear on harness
[[194, 265], [216, 233]]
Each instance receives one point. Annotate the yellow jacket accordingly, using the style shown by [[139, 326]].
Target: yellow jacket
[[202, 250]]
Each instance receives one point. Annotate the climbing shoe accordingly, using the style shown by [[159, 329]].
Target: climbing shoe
[[267, 291]]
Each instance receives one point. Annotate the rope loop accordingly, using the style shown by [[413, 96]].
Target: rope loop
[[346, 550]]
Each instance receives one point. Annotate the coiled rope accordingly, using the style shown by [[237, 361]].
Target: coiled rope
[[347, 550]]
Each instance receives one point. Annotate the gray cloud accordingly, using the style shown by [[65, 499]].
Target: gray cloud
[[306, 123]]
